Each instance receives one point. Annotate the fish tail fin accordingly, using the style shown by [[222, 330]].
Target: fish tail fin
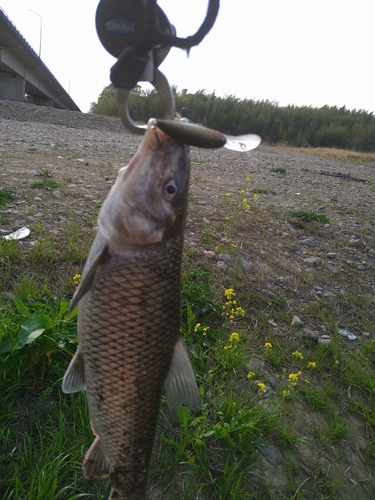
[[180, 385], [95, 463]]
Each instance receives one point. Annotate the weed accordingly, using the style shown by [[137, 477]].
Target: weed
[[5, 196], [45, 183], [208, 238], [264, 191], [309, 216], [279, 170]]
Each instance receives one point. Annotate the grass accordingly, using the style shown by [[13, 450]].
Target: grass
[[273, 399], [278, 170]]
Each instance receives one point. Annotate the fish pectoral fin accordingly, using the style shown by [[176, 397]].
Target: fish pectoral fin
[[180, 386], [74, 378], [95, 464], [98, 255]]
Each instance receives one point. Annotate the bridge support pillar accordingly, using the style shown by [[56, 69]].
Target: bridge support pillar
[[12, 87]]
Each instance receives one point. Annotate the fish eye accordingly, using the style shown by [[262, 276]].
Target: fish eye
[[170, 190]]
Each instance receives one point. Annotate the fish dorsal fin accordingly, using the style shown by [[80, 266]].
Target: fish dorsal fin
[[74, 379], [95, 463], [98, 255], [180, 386]]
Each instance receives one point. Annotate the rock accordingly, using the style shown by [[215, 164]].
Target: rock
[[271, 280], [225, 257], [311, 334], [296, 321], [324, 339], [246, 266], [361, 267], [221, 265], [89, 197], [331, 255], [57, 194], [209, 254], [366, 334], [331, 297], [37, 198], [79, 212], [272, 379], [255, 365], [309, 242], [289, 226], [312, 261], [229, 271], [357, 243], [266, 393]]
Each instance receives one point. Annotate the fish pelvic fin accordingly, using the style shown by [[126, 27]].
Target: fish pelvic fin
[[95, 464], [180, 386], [74, 378], [98, 255]]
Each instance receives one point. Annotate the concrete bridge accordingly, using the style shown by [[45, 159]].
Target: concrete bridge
[[23, 72]]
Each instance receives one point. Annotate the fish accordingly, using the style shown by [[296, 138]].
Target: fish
[[129, 342]]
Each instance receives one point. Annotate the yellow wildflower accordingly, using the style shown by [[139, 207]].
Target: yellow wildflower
[[234, 337], [250, 375], [311, 364], [261, 385], [293, 378], [242, 191], [197, 326], [285, 394], [255, 196], [307, 381], [248, 178], [205, 328], [229, 293], [244, 201], [297, 354], [227, 194], [268, 345], [228, 347], [76, 278], [240, 311], [226, 218], [247, 207]]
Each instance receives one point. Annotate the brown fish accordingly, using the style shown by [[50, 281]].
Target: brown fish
[[129, 315]]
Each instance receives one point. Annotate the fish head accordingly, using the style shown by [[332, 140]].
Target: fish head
[[148, 202]]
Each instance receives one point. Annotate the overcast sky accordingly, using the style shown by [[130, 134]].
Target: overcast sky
[[292, 51]]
